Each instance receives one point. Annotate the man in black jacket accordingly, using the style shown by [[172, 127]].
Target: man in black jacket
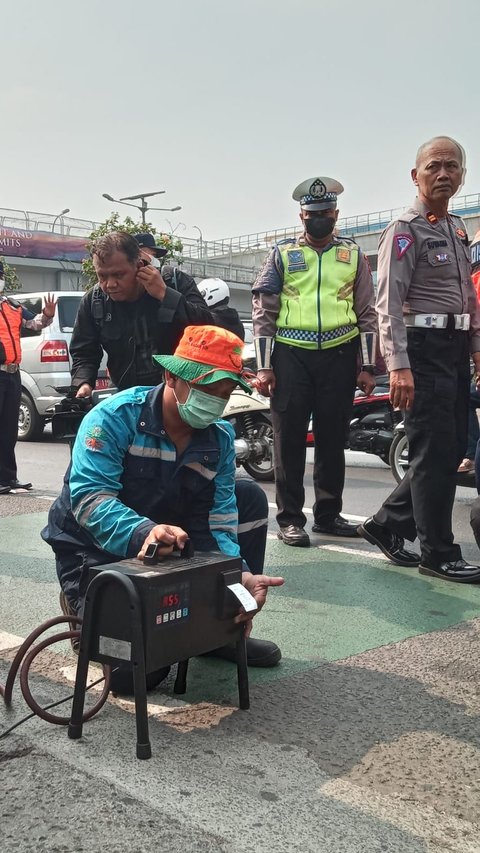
[[132, 313]]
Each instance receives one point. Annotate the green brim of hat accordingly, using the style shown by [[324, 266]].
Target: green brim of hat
[[199, 374]]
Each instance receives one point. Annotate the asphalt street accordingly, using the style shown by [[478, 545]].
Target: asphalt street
[[365, 739]]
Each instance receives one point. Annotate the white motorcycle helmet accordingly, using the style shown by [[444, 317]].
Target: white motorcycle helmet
[[214, 291]]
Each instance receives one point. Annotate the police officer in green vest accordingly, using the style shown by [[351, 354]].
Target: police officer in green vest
[[313, 312]]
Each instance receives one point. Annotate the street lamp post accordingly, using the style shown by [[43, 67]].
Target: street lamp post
[[67, 210], [201, 239], [143, 206]]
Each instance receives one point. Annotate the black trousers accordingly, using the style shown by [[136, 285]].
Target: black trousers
[[74, 561], [436, 428], [318, 384], [10, 393]]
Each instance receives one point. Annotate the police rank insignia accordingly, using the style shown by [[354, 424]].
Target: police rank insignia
[[460, 233], [296, 260], [402, 243], [442, 258], [343, 255]]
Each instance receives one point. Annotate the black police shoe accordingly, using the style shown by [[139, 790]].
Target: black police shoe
[[293, 535], [14, 484], [337, 526], [458, 571], [259, 653], [391, 544]]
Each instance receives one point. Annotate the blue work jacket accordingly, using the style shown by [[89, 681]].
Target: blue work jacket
[[126, 477]]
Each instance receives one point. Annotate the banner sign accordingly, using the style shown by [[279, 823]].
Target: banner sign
[[16, 242]]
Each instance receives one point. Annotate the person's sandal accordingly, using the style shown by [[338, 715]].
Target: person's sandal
[[67, 610]]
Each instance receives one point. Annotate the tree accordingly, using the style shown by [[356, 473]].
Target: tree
[[12, 281], [172, 244]]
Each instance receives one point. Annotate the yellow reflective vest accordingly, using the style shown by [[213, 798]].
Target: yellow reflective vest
[[316, 301]]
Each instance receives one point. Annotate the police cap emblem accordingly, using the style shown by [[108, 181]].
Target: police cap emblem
[[317, 189]]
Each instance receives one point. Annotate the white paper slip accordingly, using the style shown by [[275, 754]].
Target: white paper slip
[[246, 600]]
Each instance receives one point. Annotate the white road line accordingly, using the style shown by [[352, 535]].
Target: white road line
[[9, 641], [356, 551]]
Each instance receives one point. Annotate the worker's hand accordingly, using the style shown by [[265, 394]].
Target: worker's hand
[[49, 305], [266, 382], [168, 535], [150, 278], [366, 382], [257, 586], [402, 388], [85, 390]]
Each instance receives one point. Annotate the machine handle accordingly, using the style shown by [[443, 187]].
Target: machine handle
[[152, 556]]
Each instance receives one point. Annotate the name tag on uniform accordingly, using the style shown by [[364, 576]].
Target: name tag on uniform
[[436, 244], [296, 260], [343, 255]]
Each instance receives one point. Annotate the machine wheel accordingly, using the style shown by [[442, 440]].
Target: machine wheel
[[399, 456], [262, 471], [30, 424]]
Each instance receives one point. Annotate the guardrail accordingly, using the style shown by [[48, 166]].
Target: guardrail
[[203, 250]]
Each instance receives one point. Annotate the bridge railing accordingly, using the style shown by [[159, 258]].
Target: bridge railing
[[226, 248]]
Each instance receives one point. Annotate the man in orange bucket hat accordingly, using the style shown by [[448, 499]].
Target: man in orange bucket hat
[[158, 465]]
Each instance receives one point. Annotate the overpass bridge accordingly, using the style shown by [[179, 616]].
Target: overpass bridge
[[235, 259]]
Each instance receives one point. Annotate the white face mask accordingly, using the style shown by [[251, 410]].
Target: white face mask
[[155, 262]]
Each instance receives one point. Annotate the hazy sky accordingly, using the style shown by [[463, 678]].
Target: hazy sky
[[229, 105]]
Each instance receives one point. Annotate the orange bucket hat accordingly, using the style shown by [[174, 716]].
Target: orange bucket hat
[[206, 354]]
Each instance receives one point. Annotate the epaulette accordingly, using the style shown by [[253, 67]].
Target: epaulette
[[286, 241], [408, 216], [347, 239]]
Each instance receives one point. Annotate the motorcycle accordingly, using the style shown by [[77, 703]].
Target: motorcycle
[[399, 460], [249, 415], [373, 422]]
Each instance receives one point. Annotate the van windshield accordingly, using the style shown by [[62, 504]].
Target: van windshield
[[67, 311]]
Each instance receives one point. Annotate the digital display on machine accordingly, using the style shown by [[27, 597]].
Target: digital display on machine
[[173, 604]]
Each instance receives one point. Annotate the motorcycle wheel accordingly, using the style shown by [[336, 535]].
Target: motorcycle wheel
[[399, 456], [262, 471]]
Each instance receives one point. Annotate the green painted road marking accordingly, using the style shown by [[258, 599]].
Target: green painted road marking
[[333, 604]]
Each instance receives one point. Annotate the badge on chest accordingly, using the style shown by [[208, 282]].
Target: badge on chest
[[296, 260]]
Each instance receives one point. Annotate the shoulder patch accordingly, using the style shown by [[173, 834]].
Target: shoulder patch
[[402, 243], [95, 438]]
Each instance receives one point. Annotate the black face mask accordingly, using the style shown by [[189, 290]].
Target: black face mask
[[319, 226]]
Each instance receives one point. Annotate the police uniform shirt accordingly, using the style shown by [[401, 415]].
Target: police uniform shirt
[[423, 268], [269, 283]]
